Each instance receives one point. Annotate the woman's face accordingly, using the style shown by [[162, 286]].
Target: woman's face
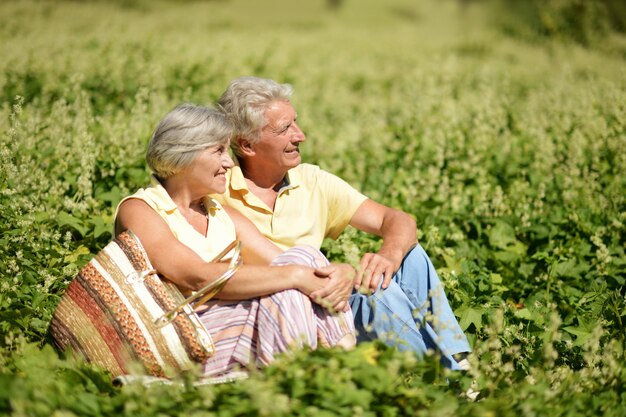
[[207, 171]]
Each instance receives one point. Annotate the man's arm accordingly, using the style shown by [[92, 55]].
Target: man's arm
[[256, 248], [398, 231]]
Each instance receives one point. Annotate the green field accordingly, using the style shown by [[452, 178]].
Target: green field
[[506, 144]]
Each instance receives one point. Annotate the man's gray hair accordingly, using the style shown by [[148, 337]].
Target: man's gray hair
[[245, 101], [182, 134]]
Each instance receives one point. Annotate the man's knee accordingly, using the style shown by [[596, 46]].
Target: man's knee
[[390, 299]]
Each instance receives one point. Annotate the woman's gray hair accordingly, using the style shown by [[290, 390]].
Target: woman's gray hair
[[182, 134], [245, 101]]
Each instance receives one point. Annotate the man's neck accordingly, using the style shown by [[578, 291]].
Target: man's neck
[[261, 177]]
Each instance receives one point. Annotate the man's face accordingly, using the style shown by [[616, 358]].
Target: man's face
[[280, 138]]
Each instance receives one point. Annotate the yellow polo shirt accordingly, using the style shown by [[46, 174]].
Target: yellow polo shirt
[[221, 231], [313, 204]]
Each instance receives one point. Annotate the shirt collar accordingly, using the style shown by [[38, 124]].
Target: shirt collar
[[211, 205], [292, 180], [238, 181]]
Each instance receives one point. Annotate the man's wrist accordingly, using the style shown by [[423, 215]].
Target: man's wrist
[[394, 254]]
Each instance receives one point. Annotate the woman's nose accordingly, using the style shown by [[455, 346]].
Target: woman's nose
[[227, 161]]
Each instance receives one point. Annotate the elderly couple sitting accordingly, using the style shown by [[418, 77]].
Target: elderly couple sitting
[[287, 294]]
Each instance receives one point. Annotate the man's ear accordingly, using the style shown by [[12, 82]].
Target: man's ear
[[246, 147]]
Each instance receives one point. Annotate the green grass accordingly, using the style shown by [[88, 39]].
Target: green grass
[[509, 152]]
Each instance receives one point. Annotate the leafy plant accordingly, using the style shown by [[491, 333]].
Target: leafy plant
[[510, 156]]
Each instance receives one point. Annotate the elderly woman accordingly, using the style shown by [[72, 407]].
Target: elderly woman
[[262, 310], [401, 299]]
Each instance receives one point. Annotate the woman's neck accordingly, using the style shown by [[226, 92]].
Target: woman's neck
[[188, 203]]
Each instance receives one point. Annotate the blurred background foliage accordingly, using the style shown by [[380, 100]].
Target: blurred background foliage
[[582, 21], [499, 125]]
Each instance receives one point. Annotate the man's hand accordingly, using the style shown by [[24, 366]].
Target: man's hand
[[398, 232], [374, 267], [336, 292]]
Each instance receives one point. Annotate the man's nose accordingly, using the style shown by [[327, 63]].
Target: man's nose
[[297, 135]]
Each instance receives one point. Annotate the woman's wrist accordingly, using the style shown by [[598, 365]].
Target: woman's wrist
[[297, 276]]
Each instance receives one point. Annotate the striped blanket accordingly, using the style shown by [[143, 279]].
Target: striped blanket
[[250, 333]]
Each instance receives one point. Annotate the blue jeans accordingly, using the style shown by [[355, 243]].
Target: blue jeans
[[413, 313]]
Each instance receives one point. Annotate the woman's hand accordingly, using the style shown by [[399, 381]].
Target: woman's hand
[[329, 286], [305, 279], [335, 294]]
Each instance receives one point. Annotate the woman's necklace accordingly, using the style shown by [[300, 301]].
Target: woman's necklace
[[204, 210], [198, 218], [206, 215], [196, 215]]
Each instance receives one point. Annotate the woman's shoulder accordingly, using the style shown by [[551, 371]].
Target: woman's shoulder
[[155, 196], [131, 202], [132, 210]]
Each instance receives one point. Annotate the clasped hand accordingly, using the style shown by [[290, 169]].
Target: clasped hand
[[335, 293], [341, 279]]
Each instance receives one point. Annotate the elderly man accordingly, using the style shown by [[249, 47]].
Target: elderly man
[[397, 295]]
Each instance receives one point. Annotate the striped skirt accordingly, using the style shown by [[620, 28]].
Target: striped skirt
[[249, 333]]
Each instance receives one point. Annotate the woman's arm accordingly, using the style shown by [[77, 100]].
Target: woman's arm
[[188, 271]]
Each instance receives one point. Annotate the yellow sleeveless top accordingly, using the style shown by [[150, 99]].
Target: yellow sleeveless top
[[220, 233]]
